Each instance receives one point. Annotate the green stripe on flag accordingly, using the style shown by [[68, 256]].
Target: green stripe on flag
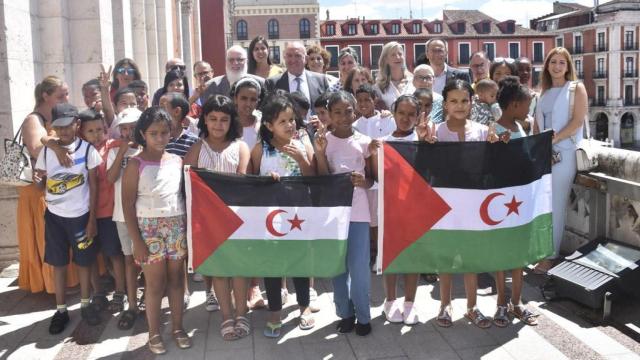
[[467, 251], [273, 258]]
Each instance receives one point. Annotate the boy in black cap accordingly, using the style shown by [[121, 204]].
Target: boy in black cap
[[70, 219]]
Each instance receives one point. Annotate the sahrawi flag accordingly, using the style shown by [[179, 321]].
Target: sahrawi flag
[[256, 226], [456, 207]]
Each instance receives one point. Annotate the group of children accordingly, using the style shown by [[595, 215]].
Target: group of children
[[115, 187]]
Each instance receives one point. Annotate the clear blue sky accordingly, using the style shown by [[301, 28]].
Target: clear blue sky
[[431, 9]]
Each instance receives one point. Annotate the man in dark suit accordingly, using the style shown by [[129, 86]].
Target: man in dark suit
[[236, 68], [437, 55], [297, 78]]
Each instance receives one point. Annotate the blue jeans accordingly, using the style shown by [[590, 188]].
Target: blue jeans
[[351, 289]]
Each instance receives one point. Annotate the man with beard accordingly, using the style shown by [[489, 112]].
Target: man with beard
[[236, 68]]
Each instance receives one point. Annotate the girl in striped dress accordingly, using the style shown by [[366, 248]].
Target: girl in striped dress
[[220, 149]]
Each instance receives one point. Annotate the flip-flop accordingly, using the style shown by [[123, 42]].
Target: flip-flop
[[272, 330], [307, 322]]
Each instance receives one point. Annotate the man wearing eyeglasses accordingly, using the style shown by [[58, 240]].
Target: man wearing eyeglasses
[[437, 55], [297, 78], [479, 64], [236, 68]]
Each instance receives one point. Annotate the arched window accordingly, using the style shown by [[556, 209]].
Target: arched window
[[305, 29], [241, 30], [273, 29]]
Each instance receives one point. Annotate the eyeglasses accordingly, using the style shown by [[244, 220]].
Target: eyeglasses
[[503, 60], [182, 68], [203, 73], [236, 60], [423, 77], [127, 71]]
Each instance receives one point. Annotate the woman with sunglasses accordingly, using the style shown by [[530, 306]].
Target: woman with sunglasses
[[124, 72]]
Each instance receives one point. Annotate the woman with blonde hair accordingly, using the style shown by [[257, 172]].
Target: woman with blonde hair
[[558, 86], [394, 78], [34, 274]]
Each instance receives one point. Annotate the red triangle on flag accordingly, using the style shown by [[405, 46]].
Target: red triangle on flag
[[209, 232], [411, 206]]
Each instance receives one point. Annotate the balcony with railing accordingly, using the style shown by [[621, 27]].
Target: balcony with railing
[[630, 74], [576, 50], [598, 102], [630, 46], [631, 101], [600, 47], [600, 74]]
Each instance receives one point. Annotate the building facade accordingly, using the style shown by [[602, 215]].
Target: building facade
[[466, 31], [279, 21], [603, 41]]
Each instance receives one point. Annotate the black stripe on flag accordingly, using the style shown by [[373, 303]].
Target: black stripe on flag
[[251, 190], [480, 165]]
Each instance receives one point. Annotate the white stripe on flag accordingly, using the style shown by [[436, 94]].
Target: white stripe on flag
[[466, 206], [317, 223]]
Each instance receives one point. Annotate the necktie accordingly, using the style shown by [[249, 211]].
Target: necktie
[[298, 83]]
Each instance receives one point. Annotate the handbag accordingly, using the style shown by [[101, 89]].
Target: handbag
[[586, 157], [15, 168]]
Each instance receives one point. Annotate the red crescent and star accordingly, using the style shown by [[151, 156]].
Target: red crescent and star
[[296, 223], [512, 207]]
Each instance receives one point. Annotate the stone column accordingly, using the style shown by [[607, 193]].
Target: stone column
[[197, 38], [122, 40], [54, 57], [91, 42], [185, 13], [152, 45], [139, 35], [18, 52], [177, 37], [614, 81], [164, 25]]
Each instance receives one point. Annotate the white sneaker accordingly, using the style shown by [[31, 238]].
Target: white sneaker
[[212, 302], [198, 277], [392, 311], [284, 295], [410, 313]]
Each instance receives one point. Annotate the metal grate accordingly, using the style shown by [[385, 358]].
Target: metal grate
[[581, 275]]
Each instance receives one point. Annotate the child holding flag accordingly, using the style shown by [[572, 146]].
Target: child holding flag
[[221, 150], [457, 96], [339, 151], [514, 100], [405, 112], [154, 211], [279, 153]]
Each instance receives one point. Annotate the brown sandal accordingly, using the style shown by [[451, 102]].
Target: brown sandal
[[523, 314], [477, 318], [444, 317]]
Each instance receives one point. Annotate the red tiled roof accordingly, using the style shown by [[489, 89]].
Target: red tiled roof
[[472, 20]]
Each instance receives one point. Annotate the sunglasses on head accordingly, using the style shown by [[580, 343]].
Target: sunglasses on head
[[127, 71], [504, 60], [178, 67]]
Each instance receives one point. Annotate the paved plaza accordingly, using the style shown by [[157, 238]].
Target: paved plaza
[[565, 331]]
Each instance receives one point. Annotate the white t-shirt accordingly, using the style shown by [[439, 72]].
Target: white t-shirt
[[376, 126], [347, 155], [67, 189], [118, 214]]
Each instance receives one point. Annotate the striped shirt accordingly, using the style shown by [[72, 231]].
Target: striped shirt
[[182, 144], [226, 161]]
